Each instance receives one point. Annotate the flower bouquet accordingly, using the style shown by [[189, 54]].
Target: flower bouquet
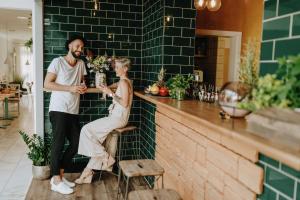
[[99, 64]]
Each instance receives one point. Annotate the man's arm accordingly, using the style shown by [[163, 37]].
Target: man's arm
[[50, 84]]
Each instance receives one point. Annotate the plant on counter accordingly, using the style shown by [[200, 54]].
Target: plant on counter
[[178, 84], [98, 64], [249, 68], [280, 90]]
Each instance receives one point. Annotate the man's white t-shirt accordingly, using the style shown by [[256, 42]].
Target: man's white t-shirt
[[62, 101]]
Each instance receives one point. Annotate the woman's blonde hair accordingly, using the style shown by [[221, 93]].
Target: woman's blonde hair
[[125, 62]]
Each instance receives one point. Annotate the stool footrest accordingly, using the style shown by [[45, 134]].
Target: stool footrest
[[160, 194], [143, 167], [125, 129]]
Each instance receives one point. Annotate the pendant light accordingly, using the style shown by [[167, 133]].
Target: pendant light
[[200, 4], [214, 5], [6, 60]]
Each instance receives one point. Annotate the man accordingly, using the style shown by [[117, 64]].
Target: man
[[65, 79]]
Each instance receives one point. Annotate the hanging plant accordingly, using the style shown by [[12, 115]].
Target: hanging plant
[[28, 43]]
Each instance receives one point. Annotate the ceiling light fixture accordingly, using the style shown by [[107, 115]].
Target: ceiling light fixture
[[214, 5], [211, 5], [200, 4]]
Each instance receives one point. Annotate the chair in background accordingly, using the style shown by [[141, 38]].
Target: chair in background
[[16, 98]]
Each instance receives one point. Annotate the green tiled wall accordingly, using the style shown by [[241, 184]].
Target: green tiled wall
[[123, 19], [170, 44], [281, 32], [281, 37], [152, 40], [139, 33], [281, 181]]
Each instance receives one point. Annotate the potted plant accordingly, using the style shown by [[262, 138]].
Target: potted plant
[[39, 153], [178, 84], [281, 90], [28, 43]]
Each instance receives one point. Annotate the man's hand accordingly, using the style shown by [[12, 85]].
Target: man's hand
[[78, 89]]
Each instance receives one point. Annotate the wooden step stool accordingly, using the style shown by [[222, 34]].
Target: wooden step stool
[[135, 168], [160, 194]]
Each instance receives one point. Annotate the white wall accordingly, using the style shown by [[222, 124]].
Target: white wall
[[17, 4], [6, 69], [36, 6]]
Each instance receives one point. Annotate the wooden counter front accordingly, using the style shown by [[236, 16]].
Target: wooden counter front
[[204, 118]]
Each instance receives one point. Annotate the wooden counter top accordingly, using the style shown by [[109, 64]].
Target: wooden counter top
[[89, 90], [285, 151]]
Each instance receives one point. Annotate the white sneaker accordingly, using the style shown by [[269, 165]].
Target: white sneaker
[[61, 187], [68, 183]]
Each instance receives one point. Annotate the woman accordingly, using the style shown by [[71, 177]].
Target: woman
[[94, 133]]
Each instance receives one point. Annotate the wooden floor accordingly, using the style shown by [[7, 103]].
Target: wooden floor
[[105, 189]]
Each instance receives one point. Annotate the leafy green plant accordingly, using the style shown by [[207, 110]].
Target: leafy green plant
[[249, 68], [180, 81], [267, 93], [278, 90], [28, 43], [39, 150], [289, 73]]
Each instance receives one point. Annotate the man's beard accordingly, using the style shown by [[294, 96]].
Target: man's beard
[[75, 56]]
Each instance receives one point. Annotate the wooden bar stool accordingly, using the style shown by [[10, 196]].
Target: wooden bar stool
[[136, 168], [111, 149], [159, 194]]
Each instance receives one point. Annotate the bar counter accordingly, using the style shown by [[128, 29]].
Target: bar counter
[[205, 114]]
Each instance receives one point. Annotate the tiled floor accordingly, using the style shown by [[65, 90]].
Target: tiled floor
[[15, 167]]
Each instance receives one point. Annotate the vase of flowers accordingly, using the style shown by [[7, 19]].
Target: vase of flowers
[[99, 65]]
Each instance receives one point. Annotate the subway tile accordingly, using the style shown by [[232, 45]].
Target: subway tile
[[287, 47], [266, 51], [288, 6], [59, 18], [83, 12], [290, 171], [91, 20], [75, 20], [296, 25], [276, 28], [268, 68], [83, 28], [75, 4], [51, 10], [67, 27], [280, 182], [270, 9], [67, 11]]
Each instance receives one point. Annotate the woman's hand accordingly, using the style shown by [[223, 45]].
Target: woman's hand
[[105, 89]]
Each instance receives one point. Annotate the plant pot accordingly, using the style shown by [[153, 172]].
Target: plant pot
[[172, 94], [41, 172], [180, 93]]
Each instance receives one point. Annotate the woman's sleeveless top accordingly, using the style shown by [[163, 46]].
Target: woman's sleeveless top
[[117, 110]]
